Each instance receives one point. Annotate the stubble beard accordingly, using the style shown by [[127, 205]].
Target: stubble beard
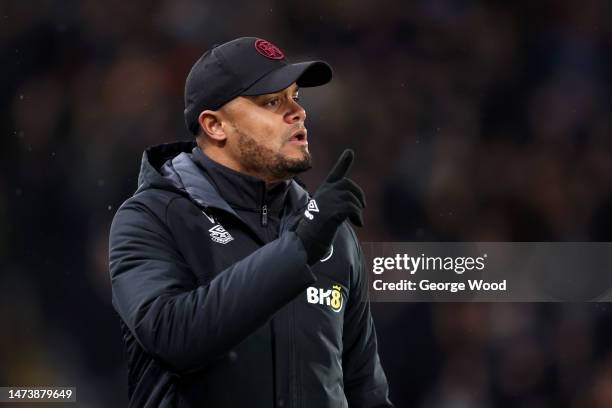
[[268, 164]]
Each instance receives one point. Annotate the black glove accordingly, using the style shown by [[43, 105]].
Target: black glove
[[337, 199]]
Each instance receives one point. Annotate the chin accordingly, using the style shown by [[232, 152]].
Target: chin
[[292, 164], [298, 153], [298, 156]]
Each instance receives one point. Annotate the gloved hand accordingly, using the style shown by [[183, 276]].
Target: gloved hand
[[337, 199]]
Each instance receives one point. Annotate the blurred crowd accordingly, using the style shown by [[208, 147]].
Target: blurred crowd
[[471, 121]]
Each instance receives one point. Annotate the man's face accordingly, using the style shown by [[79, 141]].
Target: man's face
[[266, 135]]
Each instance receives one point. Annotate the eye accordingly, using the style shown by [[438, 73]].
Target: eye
[[272, 102], [296, 98]]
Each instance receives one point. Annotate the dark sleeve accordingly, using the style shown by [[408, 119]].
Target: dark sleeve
[[184, 325], [365, 383]]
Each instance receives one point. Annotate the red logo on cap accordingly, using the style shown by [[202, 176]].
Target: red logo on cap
[[268, 50]]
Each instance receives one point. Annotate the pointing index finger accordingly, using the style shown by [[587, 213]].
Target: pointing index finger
[[342, 166]]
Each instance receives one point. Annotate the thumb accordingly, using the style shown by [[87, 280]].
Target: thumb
[[342, 166]]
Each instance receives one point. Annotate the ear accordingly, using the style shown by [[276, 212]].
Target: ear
[[210, 122]]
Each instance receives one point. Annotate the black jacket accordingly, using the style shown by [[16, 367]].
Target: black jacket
[[212, 315]]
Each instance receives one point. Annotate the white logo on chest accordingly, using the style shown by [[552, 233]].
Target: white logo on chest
[[220, 235]]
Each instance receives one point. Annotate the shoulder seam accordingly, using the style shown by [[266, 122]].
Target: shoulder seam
[[168, 206]]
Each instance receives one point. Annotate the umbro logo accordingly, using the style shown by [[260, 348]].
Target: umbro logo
[[220, 235], [312, 207]]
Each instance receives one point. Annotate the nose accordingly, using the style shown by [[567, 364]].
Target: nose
[[295, 113]]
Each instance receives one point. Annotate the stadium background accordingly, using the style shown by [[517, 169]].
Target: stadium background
[[471, 121]]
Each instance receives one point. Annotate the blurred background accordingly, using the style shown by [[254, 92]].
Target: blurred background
[[471, 121]]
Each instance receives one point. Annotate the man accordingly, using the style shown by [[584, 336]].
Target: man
[[234, 288]]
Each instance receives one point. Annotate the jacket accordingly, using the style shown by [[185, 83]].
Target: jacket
[[214, 316]]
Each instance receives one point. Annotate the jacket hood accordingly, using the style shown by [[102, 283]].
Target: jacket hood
[[169, 166], [153, 159]]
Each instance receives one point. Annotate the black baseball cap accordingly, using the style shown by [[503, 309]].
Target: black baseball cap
[[244, 66]]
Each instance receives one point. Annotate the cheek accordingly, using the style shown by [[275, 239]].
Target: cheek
[[268, 134], [265, 128]]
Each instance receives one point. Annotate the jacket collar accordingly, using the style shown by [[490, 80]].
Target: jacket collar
[[186, 175], [241, 191], [171, 167]]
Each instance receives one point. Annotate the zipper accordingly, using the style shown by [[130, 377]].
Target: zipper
[[264, 215], [264, 208]]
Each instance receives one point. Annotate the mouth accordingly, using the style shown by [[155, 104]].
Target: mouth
[[299, 137]]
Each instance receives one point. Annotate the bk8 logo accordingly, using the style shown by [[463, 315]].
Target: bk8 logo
[[328, 297]]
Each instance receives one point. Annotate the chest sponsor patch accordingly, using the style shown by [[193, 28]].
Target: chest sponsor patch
[[331, 298], [220, 235]]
